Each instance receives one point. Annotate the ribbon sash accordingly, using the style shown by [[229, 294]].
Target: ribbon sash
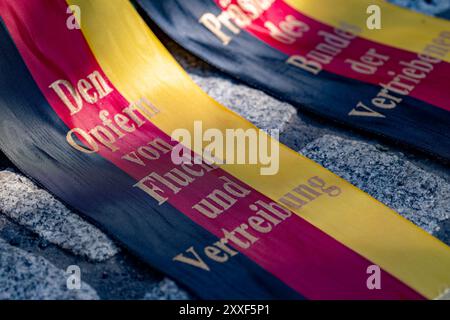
[[320, 56], [257, 248]]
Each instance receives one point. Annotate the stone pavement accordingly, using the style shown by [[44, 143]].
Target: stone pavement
[[40, 237]]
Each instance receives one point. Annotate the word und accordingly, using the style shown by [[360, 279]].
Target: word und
[[264, 217]]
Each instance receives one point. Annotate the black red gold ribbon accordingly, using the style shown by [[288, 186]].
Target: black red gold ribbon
[[81, 107], [321, 56]]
